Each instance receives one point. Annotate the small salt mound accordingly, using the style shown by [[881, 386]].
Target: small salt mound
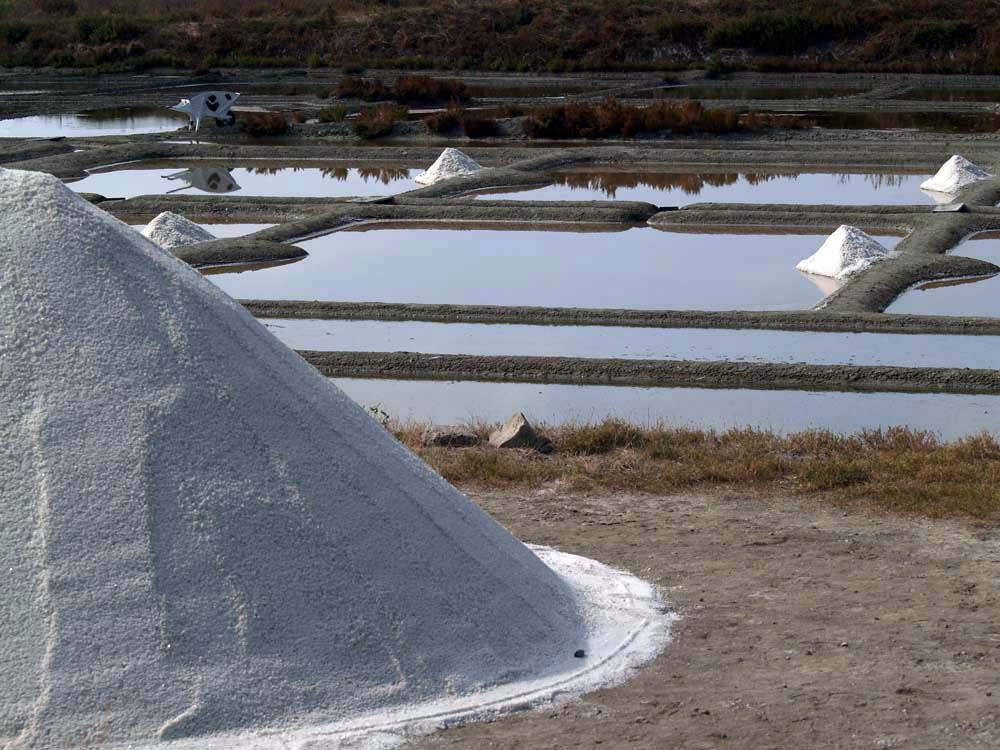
[[169, 230], [846, 252], [955, 174], [451, 163], [206, 544]]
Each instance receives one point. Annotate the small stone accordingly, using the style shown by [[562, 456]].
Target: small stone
[[450, 436], [579, 653], [516, 433]]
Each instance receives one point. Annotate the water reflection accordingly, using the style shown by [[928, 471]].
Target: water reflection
[[949, 415], [637, 268], [825, 284], [977, 296], [234, 268], [98, 122], [205, 179], [267, 179], [671, 188], [610, 183]]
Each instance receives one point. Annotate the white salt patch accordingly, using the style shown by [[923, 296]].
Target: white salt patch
[[169, 230], [846, 252], [451, 163], [955, 174], [204, 541]]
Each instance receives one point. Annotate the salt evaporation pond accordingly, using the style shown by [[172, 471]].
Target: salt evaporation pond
[[636, 268], [949, 415], [640, 343], [116, 121], [311, 179], [744, 92], [683, 188], [965, 297]]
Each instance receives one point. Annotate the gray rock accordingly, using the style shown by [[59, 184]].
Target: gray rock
[[450, 436], [516, 433]]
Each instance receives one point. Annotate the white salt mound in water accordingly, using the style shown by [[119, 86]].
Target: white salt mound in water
[[204, 541], [169, 230], [451, 163], [846, 252], [955, 174]]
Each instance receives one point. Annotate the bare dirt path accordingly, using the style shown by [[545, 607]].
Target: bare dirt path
[[803, 627]]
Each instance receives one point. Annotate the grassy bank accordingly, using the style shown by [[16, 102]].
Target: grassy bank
[[896, 470], [517, 35]]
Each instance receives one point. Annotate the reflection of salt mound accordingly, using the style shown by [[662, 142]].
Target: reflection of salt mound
[[202, 535], [170, 230], [451, 163], [846, 252], [955, 174]]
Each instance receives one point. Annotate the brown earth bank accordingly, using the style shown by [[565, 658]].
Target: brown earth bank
[[801, 626]]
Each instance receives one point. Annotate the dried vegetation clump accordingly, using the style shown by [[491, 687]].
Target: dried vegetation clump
[[897, 469]]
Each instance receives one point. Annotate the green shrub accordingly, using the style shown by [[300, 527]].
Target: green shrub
[[315, 60]]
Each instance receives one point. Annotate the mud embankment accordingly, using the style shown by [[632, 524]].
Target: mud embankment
[[658, 373]]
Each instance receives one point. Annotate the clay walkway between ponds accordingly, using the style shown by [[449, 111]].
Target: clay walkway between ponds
[[802, 627]]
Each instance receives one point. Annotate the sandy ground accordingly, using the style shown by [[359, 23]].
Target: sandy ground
[[803, 627]]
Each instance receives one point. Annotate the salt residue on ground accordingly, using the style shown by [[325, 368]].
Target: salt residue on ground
[[846, 252], [169, 230], [205, 541], [955, 174], [451, 163]]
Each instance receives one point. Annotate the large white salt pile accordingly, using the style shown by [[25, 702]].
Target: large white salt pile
[[169, 230], [451, 163], [846, 252], [203, 540], [955, 174]]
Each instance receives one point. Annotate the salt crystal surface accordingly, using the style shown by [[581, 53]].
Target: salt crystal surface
[[169, 230], [846, 252], [955, 174], [206, 542], [451, 163]]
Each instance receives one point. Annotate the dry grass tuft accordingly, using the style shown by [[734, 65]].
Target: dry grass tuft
[[897, 470]]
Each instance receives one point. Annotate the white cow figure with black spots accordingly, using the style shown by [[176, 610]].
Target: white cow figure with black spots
[[209, 104]]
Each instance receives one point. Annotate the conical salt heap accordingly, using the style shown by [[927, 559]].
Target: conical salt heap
[[955, 174], [169, 230], [199, 535], [846, 252], [451, 163]]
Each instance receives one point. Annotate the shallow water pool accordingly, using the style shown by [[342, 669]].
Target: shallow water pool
[[965, 297], [640, 268], [678, 189], [705, 344], [299, 179], [117, 121], [951, 416]]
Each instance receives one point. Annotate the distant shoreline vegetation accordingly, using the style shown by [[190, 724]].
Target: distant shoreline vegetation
[[962, 36]]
